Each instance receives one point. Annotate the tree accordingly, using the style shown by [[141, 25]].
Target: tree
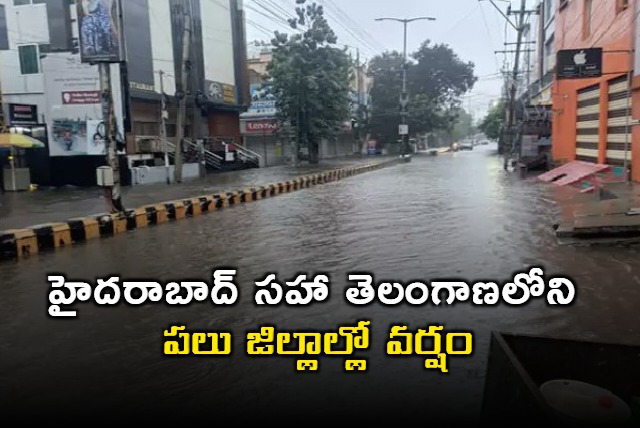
[[493, 122], [463, 126], [436, 78], [310, 79]]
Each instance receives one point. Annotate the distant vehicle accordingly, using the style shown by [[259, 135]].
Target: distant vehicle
[[455, 146], [484, 142], [466, 145]]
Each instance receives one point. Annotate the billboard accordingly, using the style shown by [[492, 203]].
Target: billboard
[[100, 31], [73, 105], [263, 103]]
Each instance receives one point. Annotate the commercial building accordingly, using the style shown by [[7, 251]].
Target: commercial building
[[592, 119], [41, 73], [260, 128]]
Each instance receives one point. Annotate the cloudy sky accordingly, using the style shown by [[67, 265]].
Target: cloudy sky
[[474, 29]]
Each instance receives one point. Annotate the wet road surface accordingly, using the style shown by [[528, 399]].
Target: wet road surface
[[24, 209], [451, 216]]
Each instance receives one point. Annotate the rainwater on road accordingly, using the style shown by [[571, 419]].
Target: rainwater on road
[[451, 216]]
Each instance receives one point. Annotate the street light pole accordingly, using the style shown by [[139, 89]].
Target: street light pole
[[404, 96]]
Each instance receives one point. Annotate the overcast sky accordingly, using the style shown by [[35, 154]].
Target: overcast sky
[[473, 29]]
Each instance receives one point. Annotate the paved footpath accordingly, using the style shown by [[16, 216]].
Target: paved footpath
[[18, 210]]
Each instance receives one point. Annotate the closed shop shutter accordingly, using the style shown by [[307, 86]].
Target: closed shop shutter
[[588, 124], [618, 129]]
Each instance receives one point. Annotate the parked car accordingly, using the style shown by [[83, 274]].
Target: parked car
[[484, 142]]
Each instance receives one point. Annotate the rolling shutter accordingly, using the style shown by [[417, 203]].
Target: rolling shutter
[[617, 128], [588, 124]]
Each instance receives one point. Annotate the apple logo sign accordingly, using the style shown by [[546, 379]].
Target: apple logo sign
[[580, 58], [67, 97]]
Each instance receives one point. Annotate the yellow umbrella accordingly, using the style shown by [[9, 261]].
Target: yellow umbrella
[[17, 141], [20, 141]]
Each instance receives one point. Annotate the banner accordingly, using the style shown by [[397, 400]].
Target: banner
[[68, 137], [95, 138], [73, 104], [263, 104], [100, 31]]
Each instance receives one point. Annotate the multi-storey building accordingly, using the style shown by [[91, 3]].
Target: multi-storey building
[[41, 72], [592, 120]]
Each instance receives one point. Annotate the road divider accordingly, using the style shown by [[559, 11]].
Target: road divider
[[18, 244]]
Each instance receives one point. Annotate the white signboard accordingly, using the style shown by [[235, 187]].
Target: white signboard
[[73, 104], [404, 130]]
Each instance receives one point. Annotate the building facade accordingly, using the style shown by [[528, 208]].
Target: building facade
[[260, 128], [40, 69], [592, 119]]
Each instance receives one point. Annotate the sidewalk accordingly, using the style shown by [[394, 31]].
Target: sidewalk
[[600, 217], [18, 210]]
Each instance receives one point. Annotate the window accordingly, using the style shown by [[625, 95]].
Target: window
[[548, 10], [27, 2], [588, 11], [29, 59]]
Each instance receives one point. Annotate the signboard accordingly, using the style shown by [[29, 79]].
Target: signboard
[[81, 97], [100, 31], [73, 104], [403, 130], [23, 114], [259, 127], [221, 93], [579, 63], [530, 145], [263, 103]]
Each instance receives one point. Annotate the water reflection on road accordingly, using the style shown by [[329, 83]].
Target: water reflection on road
[[451, 216]]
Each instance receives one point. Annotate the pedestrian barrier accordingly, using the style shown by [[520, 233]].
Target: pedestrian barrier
[[17, 244]]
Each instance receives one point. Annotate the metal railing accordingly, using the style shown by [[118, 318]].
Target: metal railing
[[248, 156], [191, 154]]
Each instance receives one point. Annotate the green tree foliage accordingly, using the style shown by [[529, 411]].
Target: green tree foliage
[[436, 78], [310, 79], [493, 122]]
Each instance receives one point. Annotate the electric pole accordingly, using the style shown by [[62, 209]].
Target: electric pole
[[404, 96], [163, 127], [183, 82], [114, 197], [520, 28]]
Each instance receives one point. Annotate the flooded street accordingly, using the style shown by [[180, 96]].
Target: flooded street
[[452, 216]]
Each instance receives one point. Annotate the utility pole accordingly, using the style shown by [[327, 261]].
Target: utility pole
[[404, 96], [163, 127], [113, 195], [183, 82], [520, 28]]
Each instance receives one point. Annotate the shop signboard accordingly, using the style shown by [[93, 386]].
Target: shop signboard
[[579, 63], [23, 114], [259, 127]]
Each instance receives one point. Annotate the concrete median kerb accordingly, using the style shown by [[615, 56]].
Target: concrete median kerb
[[18, 244]]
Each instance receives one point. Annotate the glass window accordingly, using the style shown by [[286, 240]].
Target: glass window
[[29, 59], [548, 10], [21, 2]]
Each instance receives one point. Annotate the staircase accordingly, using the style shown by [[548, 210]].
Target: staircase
[[245, 158]]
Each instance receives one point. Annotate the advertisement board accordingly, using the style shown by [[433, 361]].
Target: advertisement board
[[221, 93], [263, 103], [100, 31], [73, 104], [579, 63], [258, 127]]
